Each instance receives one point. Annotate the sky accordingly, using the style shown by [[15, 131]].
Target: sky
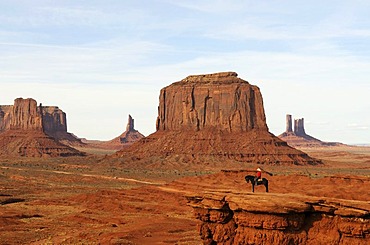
[[100, 61]]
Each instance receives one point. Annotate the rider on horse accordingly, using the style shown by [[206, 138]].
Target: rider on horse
[[258, 175]]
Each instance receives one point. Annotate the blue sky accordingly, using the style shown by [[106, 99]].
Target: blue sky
[[102, 60]]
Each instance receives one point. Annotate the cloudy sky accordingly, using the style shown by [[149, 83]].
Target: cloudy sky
[[102, 60]]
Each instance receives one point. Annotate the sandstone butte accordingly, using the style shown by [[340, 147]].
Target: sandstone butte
[[212, 118], [29, 130], [298, 137]]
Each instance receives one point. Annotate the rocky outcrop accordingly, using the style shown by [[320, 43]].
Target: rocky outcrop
[[54, 119], [222, 101], [298, 137], [299, 127], [288, 124], [49, 119], [5, 115], [216, 117], [130, 124], [26, 127], [241, 218], [130, 136], [26, 115]]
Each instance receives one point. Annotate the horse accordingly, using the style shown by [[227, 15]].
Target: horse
[[262, 181]]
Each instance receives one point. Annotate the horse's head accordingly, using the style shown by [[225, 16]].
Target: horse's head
[[249, 178]]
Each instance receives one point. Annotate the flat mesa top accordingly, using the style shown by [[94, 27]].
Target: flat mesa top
[[214, 78]]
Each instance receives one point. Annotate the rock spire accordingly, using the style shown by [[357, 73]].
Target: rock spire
[[288, 123], [130, 124], [298, 136]]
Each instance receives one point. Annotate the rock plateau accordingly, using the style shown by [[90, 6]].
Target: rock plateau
[[213, 118], [27, 129]]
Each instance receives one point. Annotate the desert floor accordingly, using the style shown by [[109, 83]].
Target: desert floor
[[84, 201]]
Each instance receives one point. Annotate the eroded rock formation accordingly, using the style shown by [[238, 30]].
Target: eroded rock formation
[[26, 115], [298, 137], [54, 119], [25, 130], [215, 117], [222, 101], [130, 136], [288, 123], [241, 218]]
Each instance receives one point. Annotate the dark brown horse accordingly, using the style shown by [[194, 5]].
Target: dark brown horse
[[262, 181]]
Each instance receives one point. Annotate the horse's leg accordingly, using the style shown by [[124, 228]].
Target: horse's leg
[[252, 187], [267, 186]]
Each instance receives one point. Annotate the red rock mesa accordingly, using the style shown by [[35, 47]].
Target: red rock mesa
[[26, 130], [213, 118]]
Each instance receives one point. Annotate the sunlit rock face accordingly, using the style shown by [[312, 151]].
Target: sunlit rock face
[[31, 130], [213, 118], [221, 100]]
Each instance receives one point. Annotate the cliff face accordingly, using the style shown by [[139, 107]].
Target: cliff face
[[5, 115], [240, 218], [220, 100], [54, 119], [26, 129], [26, 115], [216, 117]]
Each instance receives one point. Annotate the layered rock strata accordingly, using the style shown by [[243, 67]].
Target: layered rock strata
[[240, 218], [220, 100], [217, 117], [49, 119], [24, 132]]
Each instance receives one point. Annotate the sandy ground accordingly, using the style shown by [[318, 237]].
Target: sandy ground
[[80, 201]]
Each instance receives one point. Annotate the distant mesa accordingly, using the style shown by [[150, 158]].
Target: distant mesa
[[298, 136], [130, 136], [34, 131], [214, 118]]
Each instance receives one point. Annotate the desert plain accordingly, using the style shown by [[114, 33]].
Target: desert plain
[[82, 200]]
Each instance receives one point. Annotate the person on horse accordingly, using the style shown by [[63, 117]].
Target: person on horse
[[258, 175]]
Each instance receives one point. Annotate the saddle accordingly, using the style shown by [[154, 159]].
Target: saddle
[[260, 180]]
